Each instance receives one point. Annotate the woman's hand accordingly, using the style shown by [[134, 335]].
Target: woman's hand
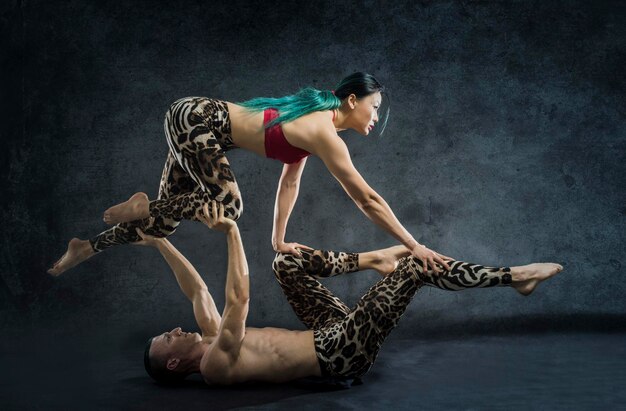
[[429, 258], [214, 219], [147, 240], [290, 248]]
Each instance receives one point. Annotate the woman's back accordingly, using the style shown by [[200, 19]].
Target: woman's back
[[247, 128], [248, 132]]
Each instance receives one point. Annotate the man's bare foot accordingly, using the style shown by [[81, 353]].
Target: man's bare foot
[[527, 277], [135, 208], [77, 251], [384, 261]]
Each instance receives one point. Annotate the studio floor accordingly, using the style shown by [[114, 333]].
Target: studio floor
[[570, 371]]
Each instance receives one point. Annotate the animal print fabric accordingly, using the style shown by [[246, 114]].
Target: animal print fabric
[[314, 304], [196, 170], [347, 340]]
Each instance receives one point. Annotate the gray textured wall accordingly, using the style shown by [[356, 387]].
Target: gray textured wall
[[505, 145]]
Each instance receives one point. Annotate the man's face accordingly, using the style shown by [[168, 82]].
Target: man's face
[[175, 343]]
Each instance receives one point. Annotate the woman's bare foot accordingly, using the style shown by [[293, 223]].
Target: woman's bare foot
[[384, 261], [527, 277], [77, 251], [135, 208]]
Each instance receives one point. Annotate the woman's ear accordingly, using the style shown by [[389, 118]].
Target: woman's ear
[[352, 101]]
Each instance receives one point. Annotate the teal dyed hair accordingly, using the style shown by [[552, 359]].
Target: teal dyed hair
[[309, 99], [296, 105]]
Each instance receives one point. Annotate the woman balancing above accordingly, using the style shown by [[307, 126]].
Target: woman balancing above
[[200, 130]]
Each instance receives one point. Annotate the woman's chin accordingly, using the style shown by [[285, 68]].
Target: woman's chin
[[362, 131]]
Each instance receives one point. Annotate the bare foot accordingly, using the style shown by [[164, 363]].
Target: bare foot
[[77, 251], [134, 209], [385, 261], [527, 277]]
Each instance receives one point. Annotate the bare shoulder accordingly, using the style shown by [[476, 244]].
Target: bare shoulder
[[309, 128], [309, 131]]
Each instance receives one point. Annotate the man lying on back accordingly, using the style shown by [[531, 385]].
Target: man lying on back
[[339, 342]]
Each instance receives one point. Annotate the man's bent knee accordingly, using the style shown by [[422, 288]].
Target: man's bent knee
[[285, 264]]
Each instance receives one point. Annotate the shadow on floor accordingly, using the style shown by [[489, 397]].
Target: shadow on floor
[[547, 362], [520, 325]]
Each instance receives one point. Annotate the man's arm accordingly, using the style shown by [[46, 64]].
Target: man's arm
[[204, 309], [237, 290], [232, 329]]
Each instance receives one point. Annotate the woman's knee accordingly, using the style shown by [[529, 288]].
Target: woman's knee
[[233, 205], [237, 209]]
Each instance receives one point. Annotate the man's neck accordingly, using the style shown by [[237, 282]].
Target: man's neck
[[196, 354]]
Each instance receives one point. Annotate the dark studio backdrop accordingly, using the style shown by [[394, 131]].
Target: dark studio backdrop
[[505, 145]]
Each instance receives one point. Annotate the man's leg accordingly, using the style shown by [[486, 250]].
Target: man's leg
[[524, 279], [313, 303], [349, 348]]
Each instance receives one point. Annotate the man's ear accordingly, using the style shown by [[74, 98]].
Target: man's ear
[[172, 363]]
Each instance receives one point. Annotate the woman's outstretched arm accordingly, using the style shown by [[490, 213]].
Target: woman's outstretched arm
[[335, 155]]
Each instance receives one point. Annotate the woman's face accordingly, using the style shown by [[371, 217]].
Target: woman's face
[[364, 115]]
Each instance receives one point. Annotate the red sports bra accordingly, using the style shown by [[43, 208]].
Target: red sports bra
[[276, 145]]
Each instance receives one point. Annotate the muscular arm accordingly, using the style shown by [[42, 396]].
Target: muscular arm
[[286, 196], [224, 352], [334, 153], [194, 288]]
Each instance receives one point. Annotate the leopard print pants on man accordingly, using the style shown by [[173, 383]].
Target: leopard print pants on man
[[196, 171], [347, 340]]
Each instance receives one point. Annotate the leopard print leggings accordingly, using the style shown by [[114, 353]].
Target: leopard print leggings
[[196, 171], [347, 340]]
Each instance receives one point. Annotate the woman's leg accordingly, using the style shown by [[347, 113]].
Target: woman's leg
[[196, 170], [174, 181], [198, 133]]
